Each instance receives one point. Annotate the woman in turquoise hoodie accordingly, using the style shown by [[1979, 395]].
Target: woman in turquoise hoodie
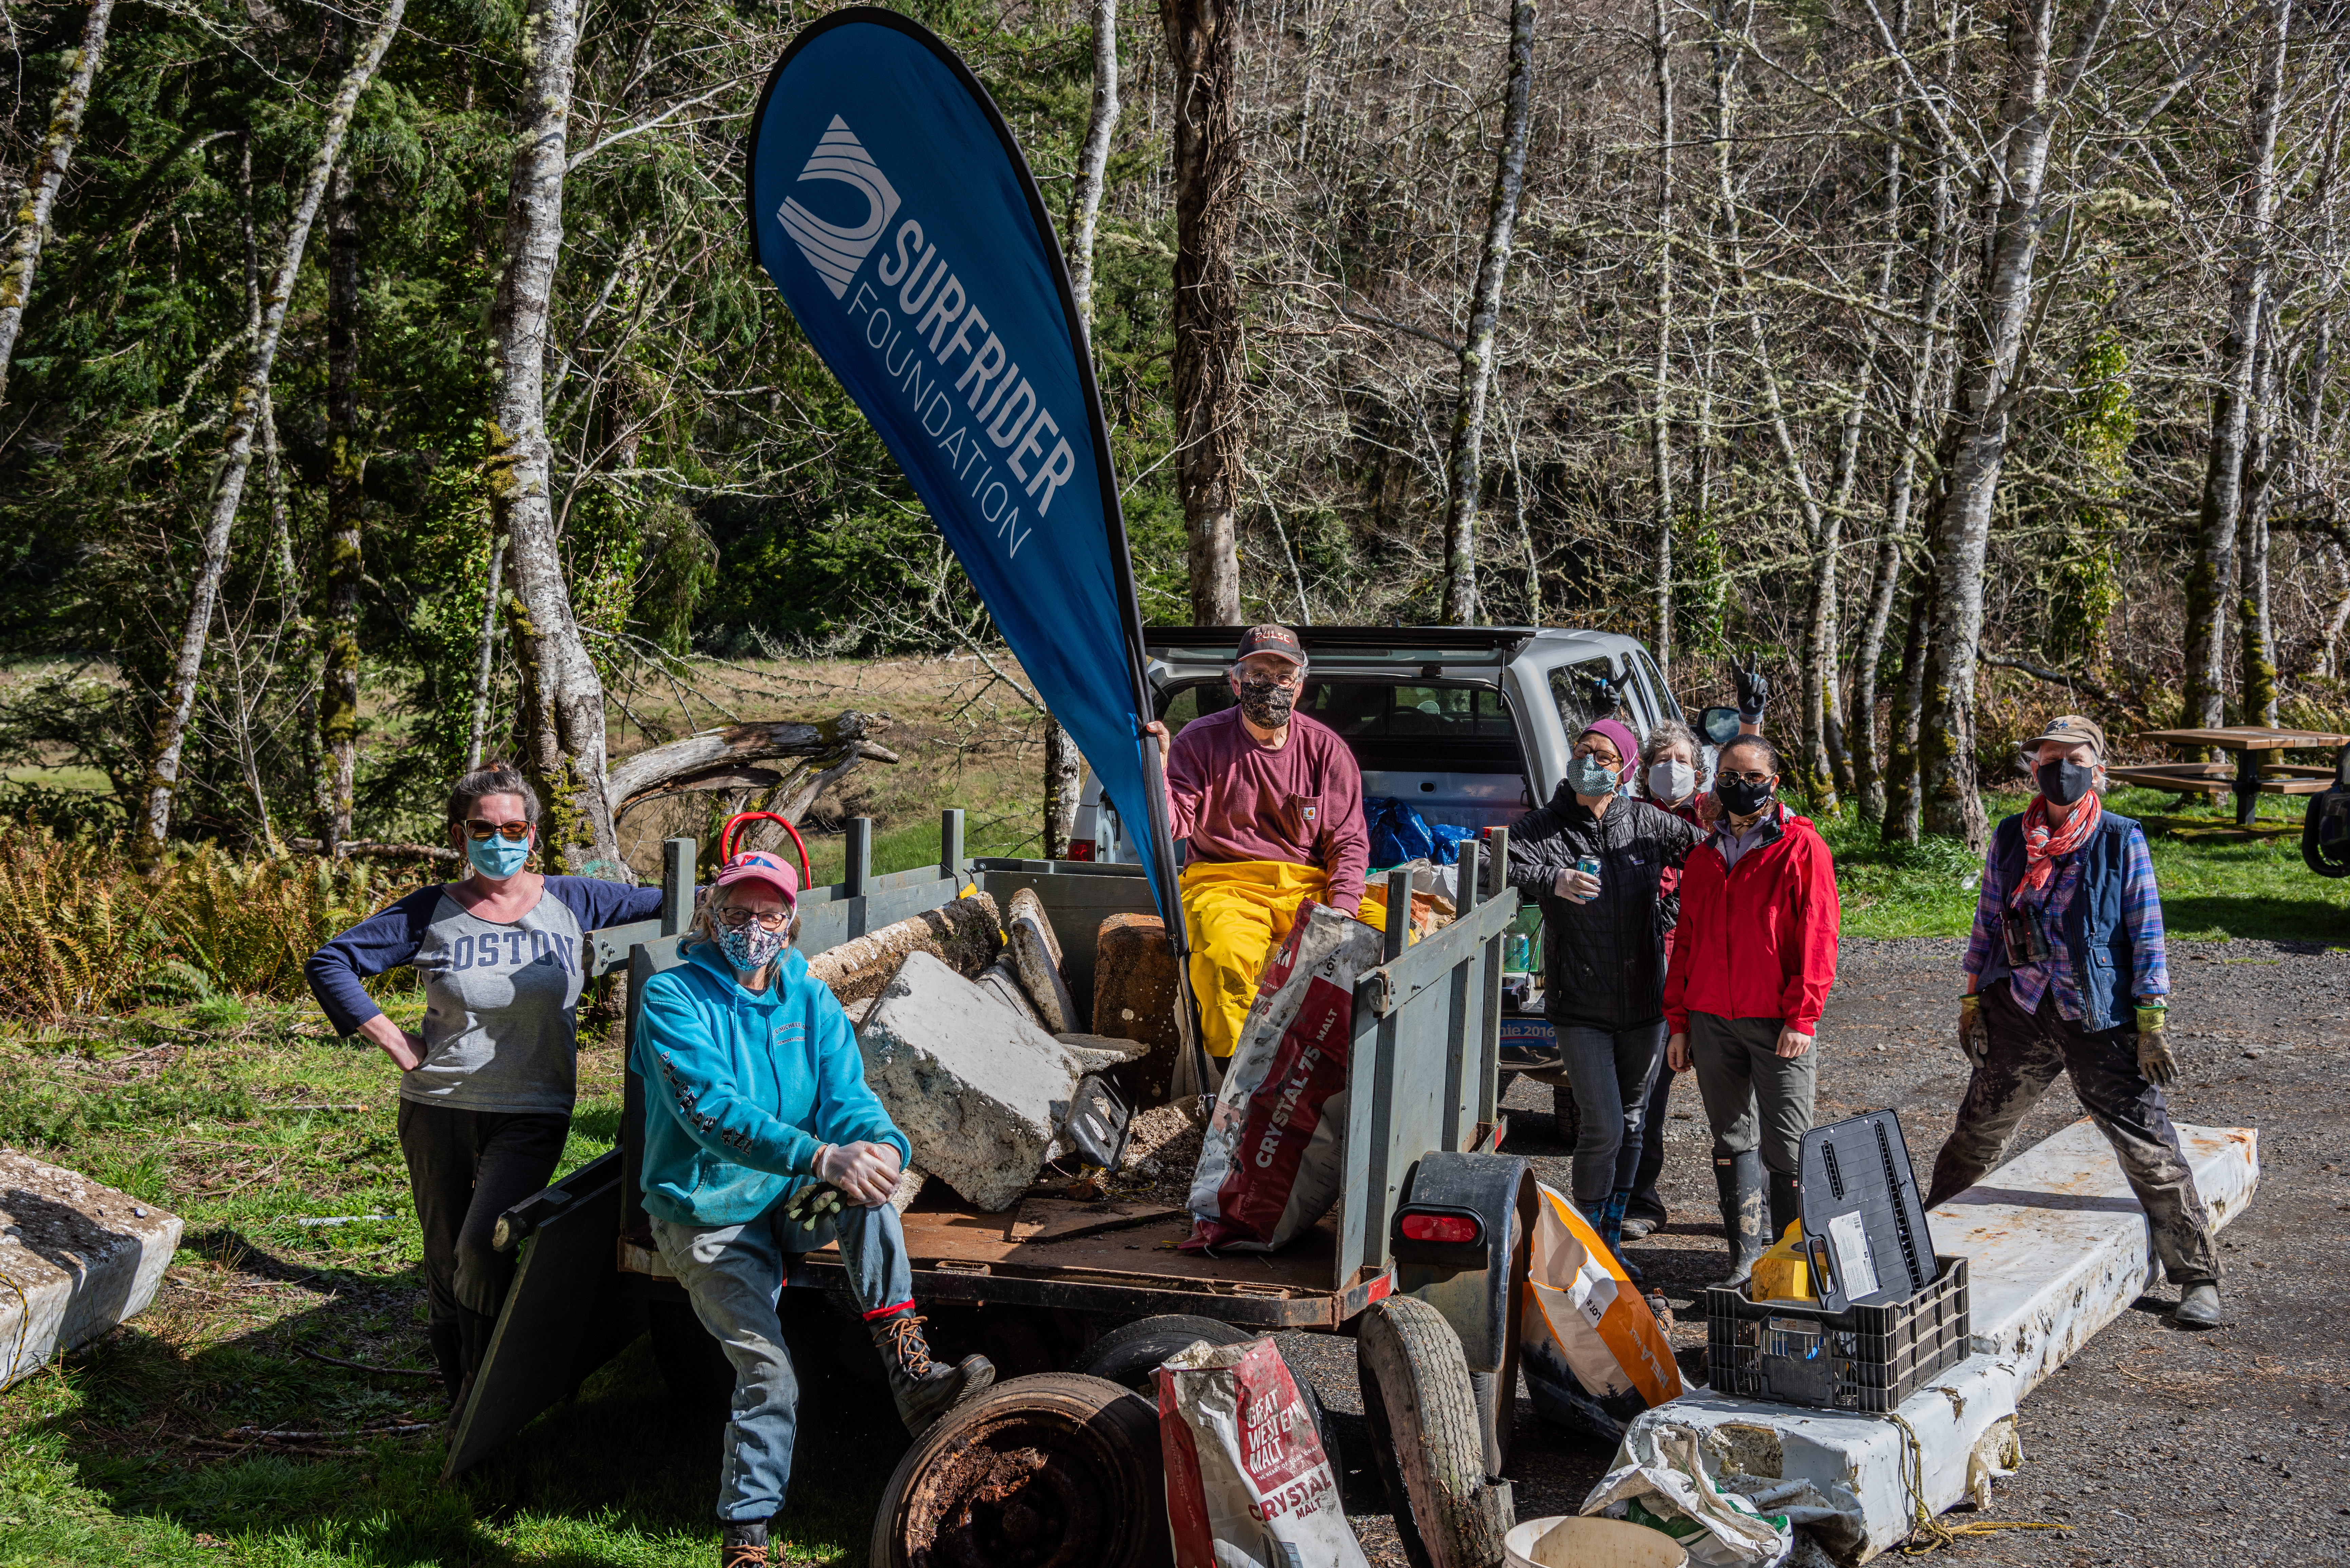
[[753, 1088]]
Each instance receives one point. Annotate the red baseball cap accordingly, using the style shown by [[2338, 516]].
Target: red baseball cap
[[758, 865], [1276, 639]]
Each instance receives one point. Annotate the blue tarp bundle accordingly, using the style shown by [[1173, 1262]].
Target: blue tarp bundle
[[1398, 833]]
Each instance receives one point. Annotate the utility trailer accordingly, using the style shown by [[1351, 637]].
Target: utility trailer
[[1075, 1458]]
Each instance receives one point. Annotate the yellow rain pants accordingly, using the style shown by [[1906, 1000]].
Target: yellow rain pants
[[1234, 911]]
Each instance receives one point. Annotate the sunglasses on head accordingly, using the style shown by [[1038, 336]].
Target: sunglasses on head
[[513, 832]]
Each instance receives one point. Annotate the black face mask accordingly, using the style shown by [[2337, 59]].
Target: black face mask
[[1740, 798], [2064, 781], [1265, 701]]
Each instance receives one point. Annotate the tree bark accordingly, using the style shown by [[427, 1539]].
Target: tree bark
[[1206, 307], [171, 732], [2255, 636], [42, 181], [339, 705], [479, 734], [1465, 475], [1660, 424], [1093, 161], [1063, 764], [2222, 517], [1977, 440], [561, 718]]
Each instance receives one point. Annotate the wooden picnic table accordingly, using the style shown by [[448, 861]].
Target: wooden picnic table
[[2248, 778]]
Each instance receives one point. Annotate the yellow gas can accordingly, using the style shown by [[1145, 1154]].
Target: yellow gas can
[[1784, 1273]]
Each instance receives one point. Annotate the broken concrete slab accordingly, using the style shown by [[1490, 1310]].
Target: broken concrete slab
[[2057, 1248], [963, 934], [969, 1082], [1035, 953], [1001, 980], [81, 1257], [1135, 997], [1102, 1053]]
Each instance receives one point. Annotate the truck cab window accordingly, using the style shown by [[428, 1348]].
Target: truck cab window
[[1588, 690]]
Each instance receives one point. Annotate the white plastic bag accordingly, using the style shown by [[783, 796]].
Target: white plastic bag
[[1594, 1355], [1248, 1485], [1274, 1154], [1662, 1470]]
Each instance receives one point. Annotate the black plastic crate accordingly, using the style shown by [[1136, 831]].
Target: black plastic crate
[[1867, 1358]]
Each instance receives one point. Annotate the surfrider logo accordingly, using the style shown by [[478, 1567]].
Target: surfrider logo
[[834, 251]]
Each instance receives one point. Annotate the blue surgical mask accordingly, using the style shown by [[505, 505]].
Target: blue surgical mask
[[1589, 775], [497, 857]]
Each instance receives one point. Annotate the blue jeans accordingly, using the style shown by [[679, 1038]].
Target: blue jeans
[[1611, 1072], [735, 1275]]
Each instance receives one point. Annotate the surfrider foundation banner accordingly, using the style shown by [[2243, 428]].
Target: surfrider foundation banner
[[894, 212]]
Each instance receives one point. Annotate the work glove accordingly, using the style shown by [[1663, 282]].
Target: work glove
[[1974, 1035], [2154, 1057], [1754, 691], [866, 1173]]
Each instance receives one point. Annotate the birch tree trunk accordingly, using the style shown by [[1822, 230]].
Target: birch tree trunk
[[338, 697], [478, 736], [42, 181], [1207, 297], [562, 727], [1465, 473], [1661, 426], [2222, 516], [2255, 636], [1064, 766], [171, 732], [1977, 441]]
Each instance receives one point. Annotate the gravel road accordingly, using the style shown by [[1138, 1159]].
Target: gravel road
[[2154, 1445]]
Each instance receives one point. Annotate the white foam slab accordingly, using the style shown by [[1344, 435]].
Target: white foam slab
[[2057, 1248]]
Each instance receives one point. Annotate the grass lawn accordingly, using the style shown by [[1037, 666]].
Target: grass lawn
[[244, 1120]]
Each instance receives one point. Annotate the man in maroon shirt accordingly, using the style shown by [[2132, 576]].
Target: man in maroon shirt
[[1272, 803]]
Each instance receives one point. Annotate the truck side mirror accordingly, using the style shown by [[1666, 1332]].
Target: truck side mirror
[[1718, 726]]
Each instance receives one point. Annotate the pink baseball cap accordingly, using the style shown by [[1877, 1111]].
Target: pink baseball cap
[[758, 865]]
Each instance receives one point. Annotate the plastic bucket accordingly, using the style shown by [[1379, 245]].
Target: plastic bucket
[[1569, 1542]]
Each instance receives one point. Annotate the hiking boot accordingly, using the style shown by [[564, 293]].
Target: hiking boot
[[1738, 1181], [925, 1389], [2200, 1307], [744, 1544]]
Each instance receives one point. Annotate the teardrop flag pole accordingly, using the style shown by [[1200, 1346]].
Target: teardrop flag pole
[[894, 212]]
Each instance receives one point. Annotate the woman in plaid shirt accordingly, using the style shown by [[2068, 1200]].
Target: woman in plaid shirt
[[2065, 973]]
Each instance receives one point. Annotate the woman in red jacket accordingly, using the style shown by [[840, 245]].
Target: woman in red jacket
[[1752, 959]]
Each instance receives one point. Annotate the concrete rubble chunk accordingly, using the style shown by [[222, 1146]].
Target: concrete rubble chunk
[[964, 935], [1100, 1053], [1035, 951], [970, 1083], [1001, 981], [1135, 998], [82, 1258]]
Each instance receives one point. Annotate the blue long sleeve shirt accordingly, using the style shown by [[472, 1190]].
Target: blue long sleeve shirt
[[501, 999], [742, 1088]]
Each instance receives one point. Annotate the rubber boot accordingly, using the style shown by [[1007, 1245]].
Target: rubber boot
[[1738, 1181], [2200, 1307], [1608, 1220], [448, 1342], [1786, 1203], [923, 1388], [744, 1545]]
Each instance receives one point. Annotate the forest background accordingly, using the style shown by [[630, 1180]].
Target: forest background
[[1954, 362]]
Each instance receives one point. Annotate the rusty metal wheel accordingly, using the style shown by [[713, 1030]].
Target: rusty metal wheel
[[1057, 1471]]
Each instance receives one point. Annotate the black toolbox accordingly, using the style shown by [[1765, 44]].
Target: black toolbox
[[1865, 1358]]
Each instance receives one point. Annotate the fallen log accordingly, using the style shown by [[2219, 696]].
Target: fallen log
[[733, 758], [370, 849]]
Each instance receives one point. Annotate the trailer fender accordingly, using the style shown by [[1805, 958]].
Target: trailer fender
[[1460, 1239]]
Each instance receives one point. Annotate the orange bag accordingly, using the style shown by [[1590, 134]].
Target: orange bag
[[1594, 1355]]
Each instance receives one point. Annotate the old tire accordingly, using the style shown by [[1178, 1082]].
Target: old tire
[[1129, 1356], [1567, 1115], [1429, 1437], [1057, 1471]]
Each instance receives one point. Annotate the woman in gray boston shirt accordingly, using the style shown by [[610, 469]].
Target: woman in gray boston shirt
[[485, 1091]]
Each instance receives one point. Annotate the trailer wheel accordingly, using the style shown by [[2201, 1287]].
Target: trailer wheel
[[1567, 1115], [1429, 1437], [1055, 1471], [1131, 1354]]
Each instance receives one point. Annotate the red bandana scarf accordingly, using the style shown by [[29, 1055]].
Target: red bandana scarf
[[2040, 847]]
